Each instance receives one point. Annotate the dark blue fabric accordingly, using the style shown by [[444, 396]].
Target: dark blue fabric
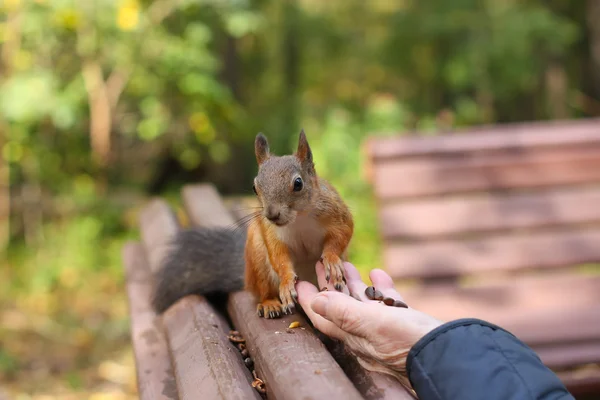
[[473, 359]]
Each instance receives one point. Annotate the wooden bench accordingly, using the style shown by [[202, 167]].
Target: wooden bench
[[494, 223], [186, 353]]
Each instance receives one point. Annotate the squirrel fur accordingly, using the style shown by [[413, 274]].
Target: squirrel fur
[[302, 220]]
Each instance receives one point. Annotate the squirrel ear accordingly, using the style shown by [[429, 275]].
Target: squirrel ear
[[261, 148], [304, 153]]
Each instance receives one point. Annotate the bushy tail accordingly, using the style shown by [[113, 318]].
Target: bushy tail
[[201, 261]]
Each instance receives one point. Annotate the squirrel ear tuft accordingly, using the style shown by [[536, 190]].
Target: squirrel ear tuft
[[304, 153], [261, 148]]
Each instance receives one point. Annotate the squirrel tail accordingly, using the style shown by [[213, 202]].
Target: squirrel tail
[[202, 261]]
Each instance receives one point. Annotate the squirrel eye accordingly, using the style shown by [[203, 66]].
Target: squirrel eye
[[254, 189], [298, 184]]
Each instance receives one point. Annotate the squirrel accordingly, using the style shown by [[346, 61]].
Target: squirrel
[[301, 220]]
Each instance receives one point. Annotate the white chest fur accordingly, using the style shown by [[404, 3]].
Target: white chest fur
[[304, 238]]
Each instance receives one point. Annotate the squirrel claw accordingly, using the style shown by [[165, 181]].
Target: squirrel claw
[[270, 309], [288, 310], [334, 271]]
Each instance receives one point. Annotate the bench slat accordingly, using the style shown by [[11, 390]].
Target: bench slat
[[581, 383], [153, 367], [571, 355], [542, 310], [445, 217], [293, 363], [508, 299], [489, 138], [473, 172], [507, 253], [158, 224], [311, 370], [205, 364]]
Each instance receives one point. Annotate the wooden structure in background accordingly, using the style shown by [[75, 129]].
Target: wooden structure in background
[[492, 223], [185, 353]]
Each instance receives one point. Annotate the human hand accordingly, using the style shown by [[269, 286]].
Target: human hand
[[380, 336]]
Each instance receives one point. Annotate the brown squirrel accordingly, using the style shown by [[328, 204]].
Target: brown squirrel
[[302, 220]]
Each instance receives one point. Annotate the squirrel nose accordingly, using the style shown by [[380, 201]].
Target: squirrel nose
[[273, 215]]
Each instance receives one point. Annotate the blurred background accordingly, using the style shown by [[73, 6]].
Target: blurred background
[[106, 103]]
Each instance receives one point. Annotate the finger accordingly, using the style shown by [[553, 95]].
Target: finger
[[355, 284], [384, 283], [306, 295], [346, 313]]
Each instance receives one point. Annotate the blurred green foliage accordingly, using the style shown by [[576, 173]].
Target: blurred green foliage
[[103, 103]]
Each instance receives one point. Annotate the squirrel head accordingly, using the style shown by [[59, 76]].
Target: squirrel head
[[285, 185]]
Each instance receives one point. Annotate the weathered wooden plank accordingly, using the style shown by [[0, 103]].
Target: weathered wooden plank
[[488, 138], [581, 382], [427, 219], [158, 225], [199, 201], [561, 356], [205, 364], [153, 366], [540, 310], [447, 258], [294, 364], [478, 171]]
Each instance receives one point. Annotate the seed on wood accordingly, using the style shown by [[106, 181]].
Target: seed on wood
[[234, 333], [236, 339], [241, 346], [294, 324], [259, 385], [249, 363], [245, 353], [317, 372]]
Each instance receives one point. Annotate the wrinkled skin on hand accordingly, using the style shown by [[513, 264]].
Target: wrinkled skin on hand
[[380, 336]]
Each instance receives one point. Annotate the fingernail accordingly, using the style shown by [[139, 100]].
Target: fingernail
[[319, 305]]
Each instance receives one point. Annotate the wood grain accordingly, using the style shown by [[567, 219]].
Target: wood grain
[[571, 355], [540, 310], [581, 382], [449, 258], [294, 365], [430, 219], [478, 171], [488, 138], [205, 365], [158, 225], [154, 372]]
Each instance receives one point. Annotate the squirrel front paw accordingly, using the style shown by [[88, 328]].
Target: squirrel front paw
[[334, 271], [288, 295], [270, 309]]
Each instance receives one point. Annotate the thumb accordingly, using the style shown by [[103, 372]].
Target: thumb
[[345, 312]]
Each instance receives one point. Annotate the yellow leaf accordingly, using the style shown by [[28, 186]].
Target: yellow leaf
[[128, 15], [11, 5], [67, 18]]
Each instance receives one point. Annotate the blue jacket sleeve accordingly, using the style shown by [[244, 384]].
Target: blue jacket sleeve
[[472, 359]]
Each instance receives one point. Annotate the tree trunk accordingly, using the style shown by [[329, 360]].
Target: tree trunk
[[593, 25]]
